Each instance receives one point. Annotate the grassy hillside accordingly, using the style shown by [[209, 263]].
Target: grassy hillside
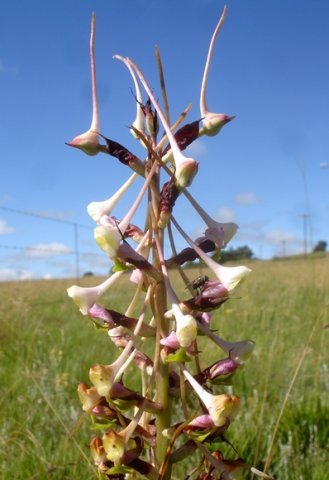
[[47, 348]]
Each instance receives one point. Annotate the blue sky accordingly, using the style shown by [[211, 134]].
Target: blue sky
[[265, 170]]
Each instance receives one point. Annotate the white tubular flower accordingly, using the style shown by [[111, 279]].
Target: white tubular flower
[[96, 210], [88, 142], [228, 276], [86, 297], [186, 168], [212, 122], [138, 123], [221, 408], [219, 233], [239, 352], [186, 327]]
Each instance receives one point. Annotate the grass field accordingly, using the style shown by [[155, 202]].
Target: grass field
[[47, 348]]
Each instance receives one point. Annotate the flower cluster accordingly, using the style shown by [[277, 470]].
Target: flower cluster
[[137, 430]]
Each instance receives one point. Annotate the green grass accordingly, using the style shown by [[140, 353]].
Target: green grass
[[47, 348]]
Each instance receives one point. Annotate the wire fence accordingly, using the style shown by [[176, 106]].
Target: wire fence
[[64, 248]]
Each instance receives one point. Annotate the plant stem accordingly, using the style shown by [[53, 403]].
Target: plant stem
[[163, 418]]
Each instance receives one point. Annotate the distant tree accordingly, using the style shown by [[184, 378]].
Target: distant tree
[[88, 274], [236, 254], [321, 246]]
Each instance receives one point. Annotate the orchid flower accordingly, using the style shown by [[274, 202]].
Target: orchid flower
[[104, 376], [228, 469], [212, 122], [100, 313], [220, 407], [186, 327], [239, 352], [228, 276], [222, 368], [120, 336], [88, 142], [115, 443], [219, 233], [97, 210], [109, 234], [98, 453], [138, 123], [89, 397], [86, 297], [186, 168]]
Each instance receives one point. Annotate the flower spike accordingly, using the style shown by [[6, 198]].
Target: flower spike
[[141, 428], [212, 122], [88, 142]]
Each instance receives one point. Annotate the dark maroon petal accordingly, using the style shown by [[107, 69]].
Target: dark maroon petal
[[120, 391], [144, 468], [168, 196], [185, 135], [189, 254], [124, 156], [127, 254], [118, 151]]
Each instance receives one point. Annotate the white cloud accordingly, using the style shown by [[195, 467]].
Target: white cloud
[[276, 237], [324, 165], [5, 228], [10, 274], [47, 249], [246, 198], [225, 214]]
